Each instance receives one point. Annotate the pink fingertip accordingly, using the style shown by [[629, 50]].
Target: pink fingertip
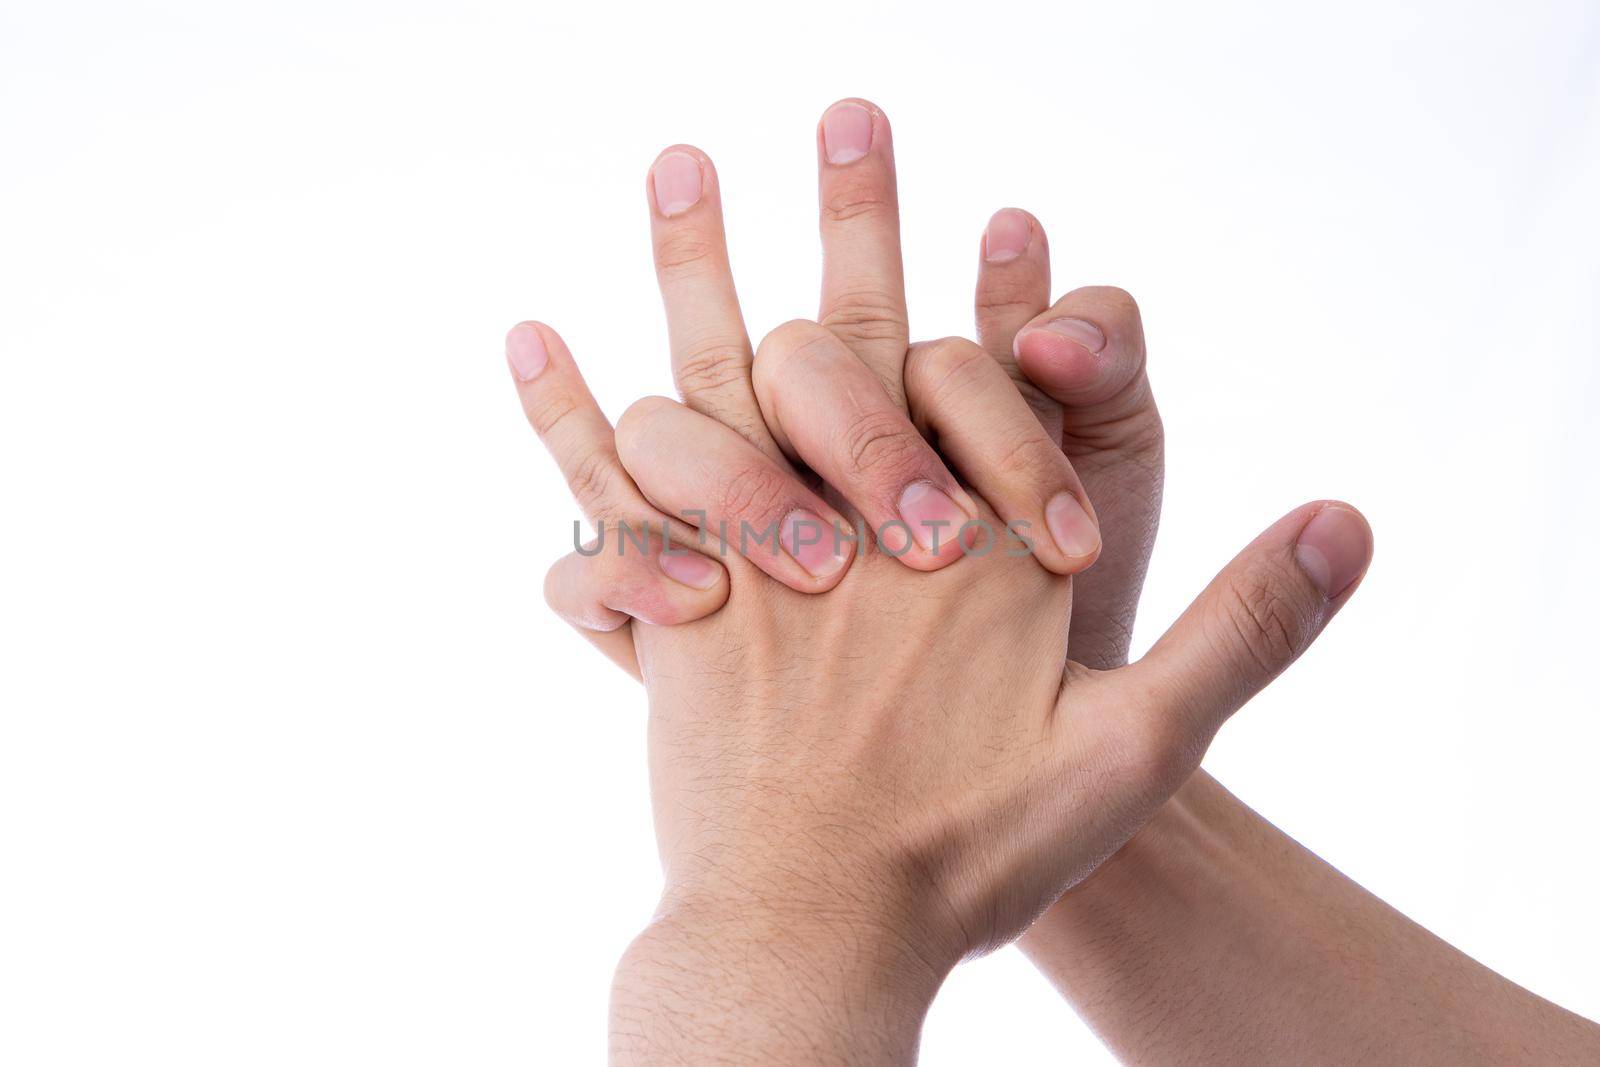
[[934, 518], [677, 181], [846, 133], [812, 542], [1007, 236], [526, 353]]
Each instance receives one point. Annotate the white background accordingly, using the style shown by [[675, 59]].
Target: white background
[[295, 767]]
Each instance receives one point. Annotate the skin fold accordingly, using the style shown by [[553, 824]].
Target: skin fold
[[868, 765]]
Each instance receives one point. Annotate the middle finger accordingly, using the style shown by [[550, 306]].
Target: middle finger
[[863, 282]]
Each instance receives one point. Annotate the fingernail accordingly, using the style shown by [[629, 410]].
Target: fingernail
[[1007, 236], [1333, 549], [690, 568], [846, 133], [526, 352], [1075, 533], [931, 514], [1078, 331], [677, 180], [811, 542]]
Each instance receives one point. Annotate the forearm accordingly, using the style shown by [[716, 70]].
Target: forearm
[[710, 984], [1215, 938]]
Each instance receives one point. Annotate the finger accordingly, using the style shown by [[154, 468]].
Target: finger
[[598, 590], [598, 593], [1087, 354], [1255, 618], [696, 469], [984, 428], [863, 283], [1014, 287], [832, 411], [710, 349], [576, 432]]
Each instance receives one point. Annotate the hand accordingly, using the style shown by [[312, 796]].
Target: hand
[[884, 811]]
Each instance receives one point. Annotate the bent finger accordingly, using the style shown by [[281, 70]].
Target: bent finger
[[985, 429], [598, 591], [833, 412], [1087, 352], [693, 467]]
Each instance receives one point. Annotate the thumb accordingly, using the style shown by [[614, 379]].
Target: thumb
[[1254, 619]]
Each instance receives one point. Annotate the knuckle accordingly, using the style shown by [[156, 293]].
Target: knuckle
[[789, 348], [753, 492], [948, 363], [1028, 455], [712, 367], [879, 441], [577, 589], [848, 200], [553, 580], [1131, 425], [792, 332], [785, 339], [566, 588], [866, 315], [1008, 299], [684, 247], [637, 419], [1265, 615], [1115, 300], [545, 413], [591, 480], [1143, 434], [957, 355]]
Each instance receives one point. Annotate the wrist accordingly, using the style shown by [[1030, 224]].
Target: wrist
[[866, 934], [774, 981], [885, 898]]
